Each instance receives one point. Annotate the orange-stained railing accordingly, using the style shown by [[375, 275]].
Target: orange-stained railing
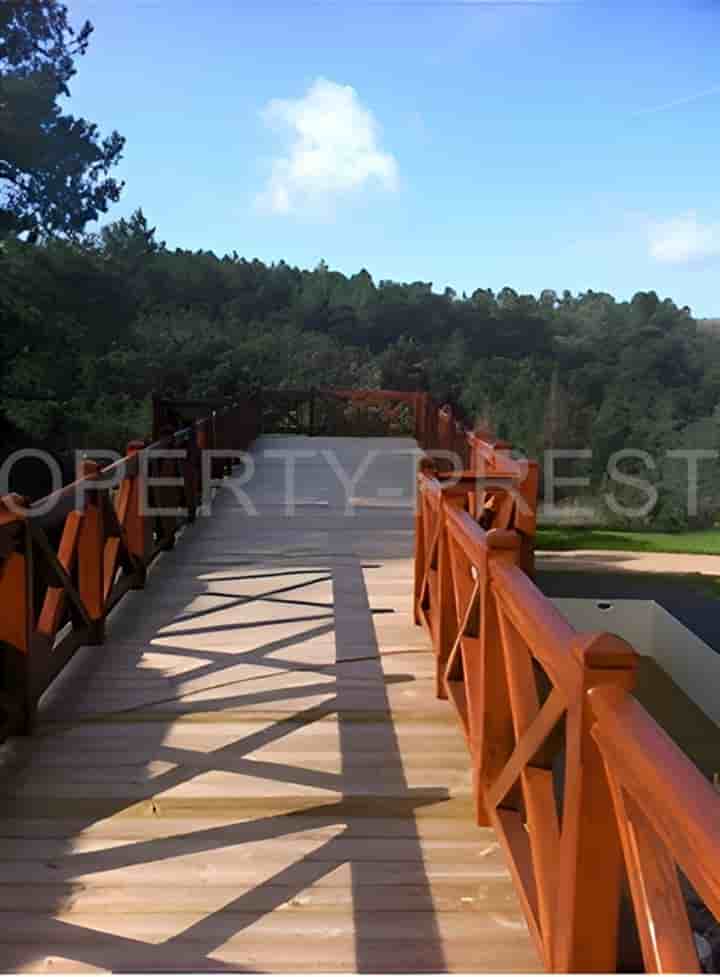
[[507, 496], [66, 560], [668, 817], [580, 784], [582, 787]]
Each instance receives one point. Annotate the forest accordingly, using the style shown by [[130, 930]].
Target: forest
[[93, 322], [92, 327]]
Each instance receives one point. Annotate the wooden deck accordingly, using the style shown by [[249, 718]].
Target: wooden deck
[[253, 773]]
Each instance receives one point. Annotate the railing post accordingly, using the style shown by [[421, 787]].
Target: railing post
[[217, 465], [169, 495], [16, 623], [493, 737], [526, 517], [203, 444], [425, 467], [591, 863], [419, 566], [138, 526], [91, 556], [445, 623], [192, 475]]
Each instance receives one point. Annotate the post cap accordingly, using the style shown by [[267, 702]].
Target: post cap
[[13, 507], [600, 649]]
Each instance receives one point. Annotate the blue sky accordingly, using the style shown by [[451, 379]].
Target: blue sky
[[471, 144]]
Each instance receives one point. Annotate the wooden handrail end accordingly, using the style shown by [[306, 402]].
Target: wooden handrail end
[[602, 649], [9, 506], [503, 539], [607, 698], [87, 468]]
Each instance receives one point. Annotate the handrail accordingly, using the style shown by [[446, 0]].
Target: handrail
[[450, 442], [66, 560], [667, 814], [579, 783]]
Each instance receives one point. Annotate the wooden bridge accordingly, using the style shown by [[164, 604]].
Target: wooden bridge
[[247, 756]]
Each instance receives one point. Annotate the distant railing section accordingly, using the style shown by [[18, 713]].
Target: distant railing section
[[501, 489], [581, 786], [66, 560]]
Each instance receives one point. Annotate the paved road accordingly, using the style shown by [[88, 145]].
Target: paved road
[[618, 561]]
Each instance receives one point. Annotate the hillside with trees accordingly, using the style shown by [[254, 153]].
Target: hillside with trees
[[92, 327]]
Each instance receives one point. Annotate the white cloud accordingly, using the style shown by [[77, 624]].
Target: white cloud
[[684, 240], [334, 151]]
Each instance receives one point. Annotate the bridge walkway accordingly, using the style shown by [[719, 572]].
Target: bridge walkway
[[253, 773]]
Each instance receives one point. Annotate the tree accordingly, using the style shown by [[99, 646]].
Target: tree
[[402, 366], [556, 414], [53, 166], [129, 241]]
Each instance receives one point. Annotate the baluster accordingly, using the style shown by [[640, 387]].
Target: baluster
[[526, 522], [168, 495], [591, 864], [203, 444], [191, 475], [420, 531], [445, 623], [17, 619], [492, 731], [91, 554], [138, 526]]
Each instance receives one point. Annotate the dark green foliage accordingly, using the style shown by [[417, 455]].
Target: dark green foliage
[[91, 328], [53, 166]]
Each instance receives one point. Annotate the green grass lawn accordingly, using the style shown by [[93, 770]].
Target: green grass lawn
[[706, 541]]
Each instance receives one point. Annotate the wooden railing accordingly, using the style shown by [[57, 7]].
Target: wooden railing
[[581, 785], [508, 493], [668, 817], [66, 560]]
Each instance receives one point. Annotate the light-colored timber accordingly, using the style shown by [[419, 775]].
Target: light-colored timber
[[254, 773]]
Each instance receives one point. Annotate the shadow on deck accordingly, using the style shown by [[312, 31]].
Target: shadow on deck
[[253, 774]]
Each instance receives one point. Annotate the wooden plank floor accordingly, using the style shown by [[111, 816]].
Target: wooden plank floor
[[253, 773]]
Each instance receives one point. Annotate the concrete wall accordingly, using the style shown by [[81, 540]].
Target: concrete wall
[[631, 619], [693, 665]]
